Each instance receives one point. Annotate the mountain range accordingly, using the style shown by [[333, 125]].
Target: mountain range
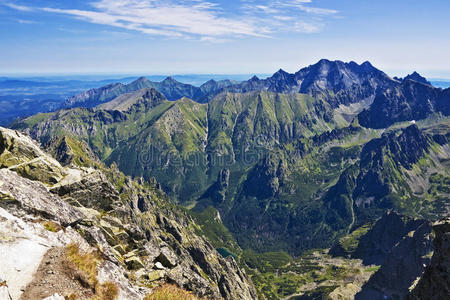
[[289, 163]]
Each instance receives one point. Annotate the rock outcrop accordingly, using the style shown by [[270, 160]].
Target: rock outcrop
[[434, 283], [403, 265], [143, 240], [400, 246], [417, 77]]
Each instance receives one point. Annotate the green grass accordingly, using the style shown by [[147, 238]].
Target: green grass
[[372, 269], [52, 226], [287, 276], [219, 236], [351, 241], [265, 262]]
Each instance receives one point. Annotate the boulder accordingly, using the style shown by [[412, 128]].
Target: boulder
[[134, 263]]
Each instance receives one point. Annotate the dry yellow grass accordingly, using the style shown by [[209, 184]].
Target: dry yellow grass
[[106, 291], [170, 292], [86, 265], [71, 297]]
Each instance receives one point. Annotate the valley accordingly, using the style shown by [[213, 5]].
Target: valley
[[293, 177]]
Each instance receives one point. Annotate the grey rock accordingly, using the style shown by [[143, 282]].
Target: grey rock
[[134, 263], [33, 197], [167, 258]]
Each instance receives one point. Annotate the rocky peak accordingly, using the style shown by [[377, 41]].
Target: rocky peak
[[170, 80], [332, 78], [148, 97], [325, 63], [209, 83], [254, 78], [153, 96], [281, 81], [281, 73], [417, 77], [367, 66], [141, 79]]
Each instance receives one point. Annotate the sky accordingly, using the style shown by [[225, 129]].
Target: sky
[[221, 36]]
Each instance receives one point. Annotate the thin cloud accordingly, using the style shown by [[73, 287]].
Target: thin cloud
[[18, 7], [316, 10], [284, 18], [198, 19], [300, 5], [21, 21], [307, 27], [162, 18]]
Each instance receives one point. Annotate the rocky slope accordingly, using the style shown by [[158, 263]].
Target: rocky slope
[[434, 282], [141, 239], [403, 252]]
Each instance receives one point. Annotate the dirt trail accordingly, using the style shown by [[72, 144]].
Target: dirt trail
[[54, 275]]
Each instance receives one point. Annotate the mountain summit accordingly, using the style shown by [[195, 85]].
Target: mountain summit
[[417, 77]]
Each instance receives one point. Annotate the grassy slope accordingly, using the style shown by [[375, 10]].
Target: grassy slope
[[190, 143]]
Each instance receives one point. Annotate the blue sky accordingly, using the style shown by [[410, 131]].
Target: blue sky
[[219, 36]]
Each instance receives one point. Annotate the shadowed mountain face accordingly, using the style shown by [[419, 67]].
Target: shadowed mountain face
[[416, 77], [434, 282], [409, 101]]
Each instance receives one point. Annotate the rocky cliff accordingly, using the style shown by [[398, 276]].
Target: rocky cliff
[[115, 236], [403, 263], [434, 283]]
